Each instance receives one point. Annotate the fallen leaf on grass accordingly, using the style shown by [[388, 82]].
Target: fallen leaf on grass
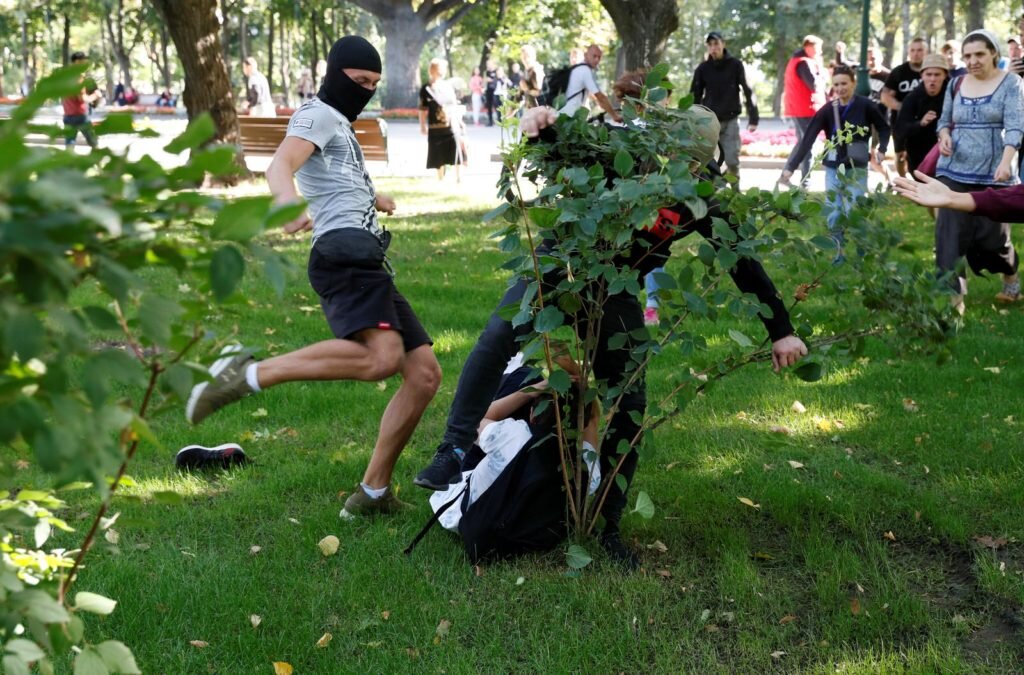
[[778, 654], [671, 466], [798, 407], [382, 385], [520, 581], [889, 535], [329, 545], [199, 644], [113, 536], [282, 668], [779, 429], [443, 629], [478, 571], [253, 550], [749, 502], [664, 574], [385, 615], [761, 555], [260, 412], [989, 542], [294, 521], [910, 405], [855, 606], [994, 370], [324, 640], [255, 620], [789, 618], [658, 546], [795, 464]]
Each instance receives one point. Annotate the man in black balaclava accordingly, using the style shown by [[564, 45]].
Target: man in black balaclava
[[377, 333]]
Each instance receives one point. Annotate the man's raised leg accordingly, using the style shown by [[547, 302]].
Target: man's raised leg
[[374, 355]]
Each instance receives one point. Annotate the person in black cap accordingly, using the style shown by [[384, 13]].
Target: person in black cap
[[717, 83], [376, 332]]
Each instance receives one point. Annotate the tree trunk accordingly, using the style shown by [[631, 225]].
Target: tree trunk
[[65, 48], [405, 37], [115, 33], [286, 60], [28, 79], [225, 37], [315, 55], [949, 18], [195, 30], [108, 64], [905, 25], [976, 16], [165, 65], [270, 50], [243, 32], [643, 27], [492, 37]]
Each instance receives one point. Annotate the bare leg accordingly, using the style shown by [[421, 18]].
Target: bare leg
[[421, 377], [374, 355]]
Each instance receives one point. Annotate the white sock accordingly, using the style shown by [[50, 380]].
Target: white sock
[[373, 493], [251, 378]]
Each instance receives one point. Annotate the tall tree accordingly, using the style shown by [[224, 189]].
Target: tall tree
[[124, 30], [195, 30], [949, 18], [976, 15], [408, 26], [644, 27]]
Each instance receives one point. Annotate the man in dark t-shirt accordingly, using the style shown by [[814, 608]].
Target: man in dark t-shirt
[[903, 79], [918, 117]]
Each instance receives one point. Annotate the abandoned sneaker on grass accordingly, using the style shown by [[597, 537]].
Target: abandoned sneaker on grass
[[359, 504], [229, 384], [195, 457]]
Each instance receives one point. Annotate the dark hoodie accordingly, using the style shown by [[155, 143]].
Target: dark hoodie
[[717, 84]]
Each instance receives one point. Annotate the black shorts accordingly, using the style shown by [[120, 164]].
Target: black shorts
[[355, 298]]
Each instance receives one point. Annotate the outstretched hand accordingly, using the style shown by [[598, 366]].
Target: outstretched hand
[[925, 191], [787, 351], [536, 119]]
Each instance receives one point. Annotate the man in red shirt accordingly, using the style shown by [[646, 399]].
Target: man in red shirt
[[76, 110], [804, 91]]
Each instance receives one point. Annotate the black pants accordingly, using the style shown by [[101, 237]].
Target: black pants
[[491, 102], [481, 375]]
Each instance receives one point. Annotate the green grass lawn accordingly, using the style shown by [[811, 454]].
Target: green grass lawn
[[861, 558]]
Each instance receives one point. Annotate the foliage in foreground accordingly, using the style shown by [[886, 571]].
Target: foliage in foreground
[[598, 189], [68, 221]]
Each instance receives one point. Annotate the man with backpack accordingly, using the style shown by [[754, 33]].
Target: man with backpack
[[580, 86]]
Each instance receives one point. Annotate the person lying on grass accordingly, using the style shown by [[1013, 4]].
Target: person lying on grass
[[621, 314]]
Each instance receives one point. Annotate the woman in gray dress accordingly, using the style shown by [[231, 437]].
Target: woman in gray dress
[[981, 126]]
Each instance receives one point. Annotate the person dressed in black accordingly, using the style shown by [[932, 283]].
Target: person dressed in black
[[717, 84], [622, 313], [490, 85], [903, 79], [918, 120]]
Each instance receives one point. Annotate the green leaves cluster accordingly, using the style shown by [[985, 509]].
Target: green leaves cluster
[[579, 243], [77, 378]]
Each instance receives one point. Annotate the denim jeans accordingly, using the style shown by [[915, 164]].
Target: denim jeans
[[841, 193], [481, 375], [652, 287]]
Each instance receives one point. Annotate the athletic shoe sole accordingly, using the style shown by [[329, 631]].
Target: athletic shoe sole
[[423, 483], [235, 448], [228, 354]]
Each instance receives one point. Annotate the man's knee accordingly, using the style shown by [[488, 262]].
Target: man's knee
[[385, 357], [423, 371]]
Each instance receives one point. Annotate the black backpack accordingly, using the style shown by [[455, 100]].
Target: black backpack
[[523, 511], [556, 84]]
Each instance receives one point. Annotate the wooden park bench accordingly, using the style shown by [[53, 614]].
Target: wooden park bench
[[262, 135]]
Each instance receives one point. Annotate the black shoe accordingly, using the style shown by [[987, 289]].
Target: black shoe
[[219, 457], [444, 469], [611, 542]]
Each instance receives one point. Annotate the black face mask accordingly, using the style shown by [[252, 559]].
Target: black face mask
[[343, 94], [339, 90]]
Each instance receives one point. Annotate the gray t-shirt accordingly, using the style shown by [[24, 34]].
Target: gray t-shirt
[[333, 180]]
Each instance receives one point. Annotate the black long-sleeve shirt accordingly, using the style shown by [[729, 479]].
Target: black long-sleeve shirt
[[717, 84], [651, 248], [919, 139], [860, 112]]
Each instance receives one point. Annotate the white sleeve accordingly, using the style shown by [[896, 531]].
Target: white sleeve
[[589, 83]]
